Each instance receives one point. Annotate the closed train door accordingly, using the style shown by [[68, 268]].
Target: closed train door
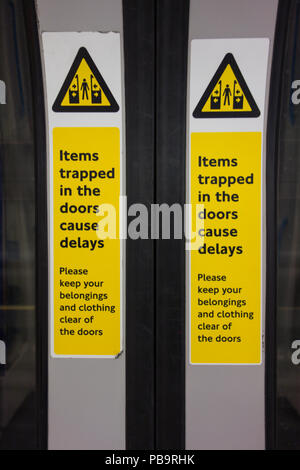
[[149, 237]]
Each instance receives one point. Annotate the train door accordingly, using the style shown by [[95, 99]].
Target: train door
[[225, 377], [156, 101]]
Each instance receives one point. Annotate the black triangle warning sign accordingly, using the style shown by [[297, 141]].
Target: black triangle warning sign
[[84, 89], [227, 95]]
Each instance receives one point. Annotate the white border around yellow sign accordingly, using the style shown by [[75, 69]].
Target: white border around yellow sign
[[85, 171], [225, 187]]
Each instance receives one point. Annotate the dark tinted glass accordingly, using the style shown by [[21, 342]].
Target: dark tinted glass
[[18, 428], [288, 281]]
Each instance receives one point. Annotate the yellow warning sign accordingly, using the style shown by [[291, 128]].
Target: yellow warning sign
[[86, 268], [225, 270], [227, 94], [84, 89]]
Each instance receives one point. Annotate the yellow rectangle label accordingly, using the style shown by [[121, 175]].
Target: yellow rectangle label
[[225, 260], [86, 319]]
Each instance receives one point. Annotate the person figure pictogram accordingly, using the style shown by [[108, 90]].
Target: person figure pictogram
[[85, 88], [227, 93]]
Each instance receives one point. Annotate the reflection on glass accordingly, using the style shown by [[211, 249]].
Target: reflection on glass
[[288, 282], [17, 236]]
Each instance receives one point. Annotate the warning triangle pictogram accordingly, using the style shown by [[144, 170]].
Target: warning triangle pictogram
[[227, 95], [84, 89]]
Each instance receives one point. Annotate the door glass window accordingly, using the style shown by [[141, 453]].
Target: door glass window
[[18, 428], [288, 261]]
